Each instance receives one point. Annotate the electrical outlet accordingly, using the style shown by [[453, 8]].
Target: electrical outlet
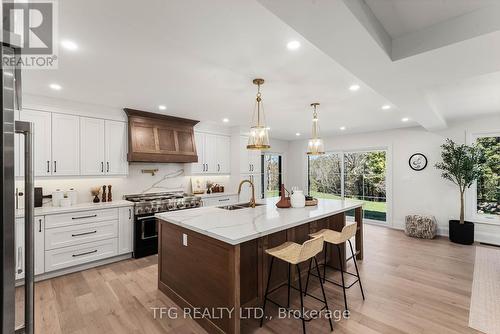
[[184, 239]]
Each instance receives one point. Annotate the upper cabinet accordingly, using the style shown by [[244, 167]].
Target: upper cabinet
[[65, 144], [160, 138], [213, 154], [42, 130], [103, 146], [116, 147], [69, 145], [250, 160]]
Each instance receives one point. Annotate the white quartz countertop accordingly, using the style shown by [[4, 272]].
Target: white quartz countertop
[[237, 226], [51, 210]]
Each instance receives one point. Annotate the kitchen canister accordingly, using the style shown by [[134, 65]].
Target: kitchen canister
[[57, 196], [72, 195], [297, 199]]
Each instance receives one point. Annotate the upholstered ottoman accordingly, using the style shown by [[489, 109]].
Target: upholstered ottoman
[[420, 226]]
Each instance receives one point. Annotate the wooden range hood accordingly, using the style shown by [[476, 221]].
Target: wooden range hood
[[160, 138]]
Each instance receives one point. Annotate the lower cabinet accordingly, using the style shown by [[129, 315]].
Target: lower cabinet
[[75, 238], [220, 200], [39, 229]]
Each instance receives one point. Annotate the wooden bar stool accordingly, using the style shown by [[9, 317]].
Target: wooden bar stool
[[337, 239], [293, 253]]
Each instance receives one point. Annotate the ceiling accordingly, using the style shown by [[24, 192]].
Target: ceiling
[[401, 17], [199, 58]]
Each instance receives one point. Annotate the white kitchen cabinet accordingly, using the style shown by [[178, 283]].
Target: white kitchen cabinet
[[250, 160], [213, 154], [42, 139], [39, 246], [223, 153], [92, 153], [116, 147], [126, 230], [65, 144], [103, 147], [219, 200]]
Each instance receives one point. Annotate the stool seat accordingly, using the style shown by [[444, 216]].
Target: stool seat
[[330, 236], [288, 252]]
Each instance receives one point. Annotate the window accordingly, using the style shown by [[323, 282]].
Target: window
[[271, 175], [355, 175], [485, 197]]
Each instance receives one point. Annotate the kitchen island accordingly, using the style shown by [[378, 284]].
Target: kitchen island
[[212, 259]]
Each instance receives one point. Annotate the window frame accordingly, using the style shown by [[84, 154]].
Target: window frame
[[263, 172], [471, 213]]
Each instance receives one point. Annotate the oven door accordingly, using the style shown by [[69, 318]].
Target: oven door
[[146, 236]]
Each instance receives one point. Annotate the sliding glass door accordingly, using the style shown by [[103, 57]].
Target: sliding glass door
[[359, 175]]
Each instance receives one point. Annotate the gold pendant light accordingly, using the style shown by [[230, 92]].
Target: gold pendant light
[[315, 145], [259, 135]]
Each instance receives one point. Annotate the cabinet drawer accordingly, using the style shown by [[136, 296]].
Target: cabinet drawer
[[80, 217], [79, 234], [75, 255]]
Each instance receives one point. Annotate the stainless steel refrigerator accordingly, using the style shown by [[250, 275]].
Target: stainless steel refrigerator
[[10, 99]]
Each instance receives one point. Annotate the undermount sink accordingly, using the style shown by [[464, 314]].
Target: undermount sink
[[237, 206]]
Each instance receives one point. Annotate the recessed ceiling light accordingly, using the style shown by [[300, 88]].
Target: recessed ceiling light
[[55, 86], [297, 134], [354, 87], [386, 107], [405, 119], [293, 45], [225, 120], [162, 107], [342, 128], [69, 45]]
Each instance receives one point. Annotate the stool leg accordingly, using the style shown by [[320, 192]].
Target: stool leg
[[288, 296], [324, 267], [301, 302], [267, 290], [342, 274], [357, 271], [323, 292], [308, 274]]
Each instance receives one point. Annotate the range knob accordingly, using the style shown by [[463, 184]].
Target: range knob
[[139, 211], [147, 209]]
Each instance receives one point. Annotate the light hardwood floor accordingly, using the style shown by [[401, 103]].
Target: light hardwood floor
[[411, 286]]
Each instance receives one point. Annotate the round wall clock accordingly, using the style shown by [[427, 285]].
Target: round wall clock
[[418, 161]]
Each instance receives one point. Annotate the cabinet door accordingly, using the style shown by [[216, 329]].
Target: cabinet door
[[65, 144], [92, 159], [210, 153], [245, 165], [199, 167], [39, 238], [42, 126], [255, 161], [19, 248], [116, 140], [125, 230], [223, 149]]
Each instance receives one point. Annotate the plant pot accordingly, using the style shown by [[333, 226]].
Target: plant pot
[[461, 233]]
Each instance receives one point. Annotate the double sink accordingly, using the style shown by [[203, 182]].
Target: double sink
[[237, 206]]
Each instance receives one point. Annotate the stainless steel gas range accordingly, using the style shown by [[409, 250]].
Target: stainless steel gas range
[[145, 207]]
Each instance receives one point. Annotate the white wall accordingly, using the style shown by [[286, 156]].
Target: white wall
[[412, 192]]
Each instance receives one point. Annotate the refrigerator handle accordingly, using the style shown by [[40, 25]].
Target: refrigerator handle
[[26, 129]]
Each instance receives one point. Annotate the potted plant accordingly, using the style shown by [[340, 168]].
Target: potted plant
[[462, 165]]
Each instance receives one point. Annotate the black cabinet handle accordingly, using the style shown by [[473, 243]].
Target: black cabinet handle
[[55, 166], [102, 167], [218, 167], [83, 217], [39, 225], [87, 253], [85, 233], [107, 167], [129, 213], [48, 166]]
